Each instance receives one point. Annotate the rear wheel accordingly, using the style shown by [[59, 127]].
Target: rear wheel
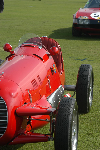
[[66, 125], [84, 88]]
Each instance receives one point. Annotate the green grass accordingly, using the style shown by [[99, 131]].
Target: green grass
[[54, 19]]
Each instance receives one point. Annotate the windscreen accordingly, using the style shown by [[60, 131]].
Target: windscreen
[[30, 38], [92, 4]]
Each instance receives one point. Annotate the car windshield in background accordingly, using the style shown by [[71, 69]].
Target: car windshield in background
[[92, 4]]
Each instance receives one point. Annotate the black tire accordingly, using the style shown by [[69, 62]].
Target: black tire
[[76, 32], [84, 88], [66, 125]]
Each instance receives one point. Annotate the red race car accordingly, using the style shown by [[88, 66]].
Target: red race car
[[87, 20], [32, 84]]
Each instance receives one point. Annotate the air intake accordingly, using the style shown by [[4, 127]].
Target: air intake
[[3, 116]]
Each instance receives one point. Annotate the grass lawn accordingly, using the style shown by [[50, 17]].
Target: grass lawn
[[54, 18]]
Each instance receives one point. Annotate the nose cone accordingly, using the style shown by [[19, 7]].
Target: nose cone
[[10, 100]]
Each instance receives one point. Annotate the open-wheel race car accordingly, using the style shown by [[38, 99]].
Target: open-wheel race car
[[87, 20], [32, 85]]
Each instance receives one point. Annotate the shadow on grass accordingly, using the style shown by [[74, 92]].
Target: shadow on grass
[[66, 33], [11, 147]]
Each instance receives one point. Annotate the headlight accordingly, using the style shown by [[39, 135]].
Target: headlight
[[81, 21], [84, 21]]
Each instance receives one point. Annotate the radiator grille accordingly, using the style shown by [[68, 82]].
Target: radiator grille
[[3, 116]]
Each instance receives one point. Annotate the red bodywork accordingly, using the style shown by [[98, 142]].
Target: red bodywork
[[31, 86], [91, 14]]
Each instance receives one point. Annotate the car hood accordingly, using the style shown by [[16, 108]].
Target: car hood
[[91, 13], [23, 70]]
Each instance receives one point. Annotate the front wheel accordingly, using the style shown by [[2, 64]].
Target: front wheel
[[66, 125], [84, 88]]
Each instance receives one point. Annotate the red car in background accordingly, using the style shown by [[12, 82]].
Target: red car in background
[[87, 20]]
